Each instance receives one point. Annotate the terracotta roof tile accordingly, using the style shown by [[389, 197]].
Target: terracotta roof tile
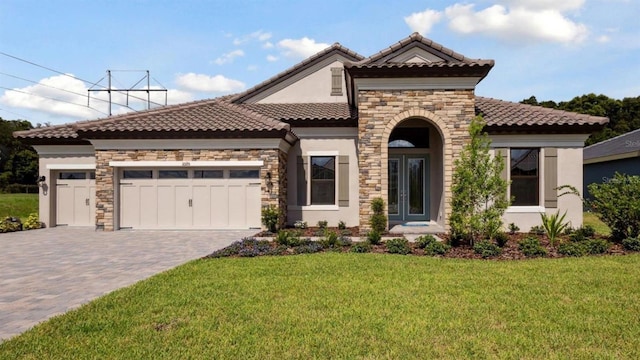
[[504, 113], [65, 131], [305, 111]]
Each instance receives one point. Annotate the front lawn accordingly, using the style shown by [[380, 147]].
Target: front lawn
[[592, 219], [343, 305], [18, 205]]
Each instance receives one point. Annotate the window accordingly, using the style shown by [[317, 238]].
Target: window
[[323, 180], [244, 174], [207, 174], [525, 177], [172, 174], [72, 175], [137, 174]]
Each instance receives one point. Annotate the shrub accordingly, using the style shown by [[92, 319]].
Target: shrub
[[398, 246], [287, 238], [374, 237], [10, 224], [322, 224], [596, 246], [299, 224], [270, 218], [32, 222], [309, 248], [587, 231], [486, 248], [617, 204], [501, 238], [436, 248], [378, 220], [573, 249], [330, 240], [424, 240], [342, 225], [344, 240], [631, 244], [361, 247], [513, 228], [247, 247], [537, 230], [553, 225], [531, 247]]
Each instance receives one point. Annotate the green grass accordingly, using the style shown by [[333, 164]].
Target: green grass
[[18, 205], [592, 219], [357, 306]]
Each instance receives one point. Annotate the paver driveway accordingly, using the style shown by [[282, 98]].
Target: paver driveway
[[47, 272]]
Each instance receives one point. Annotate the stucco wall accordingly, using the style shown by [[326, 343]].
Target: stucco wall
[[66, 156], [317, 140]]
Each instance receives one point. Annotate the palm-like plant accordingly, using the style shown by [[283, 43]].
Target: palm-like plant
[[554, 225]]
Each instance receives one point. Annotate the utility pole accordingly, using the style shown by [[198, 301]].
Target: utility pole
[[109, 89]]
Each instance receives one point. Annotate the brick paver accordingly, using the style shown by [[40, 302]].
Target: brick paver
[[50, 271]]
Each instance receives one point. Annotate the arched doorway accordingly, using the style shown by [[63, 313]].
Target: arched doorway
[[414, 172]]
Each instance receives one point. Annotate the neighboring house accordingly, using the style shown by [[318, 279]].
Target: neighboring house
[[619, 154], [319, 141]]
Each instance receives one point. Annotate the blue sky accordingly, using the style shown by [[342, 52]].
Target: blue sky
[[199, 49]]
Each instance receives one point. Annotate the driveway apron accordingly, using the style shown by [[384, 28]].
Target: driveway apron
[[47, 272]]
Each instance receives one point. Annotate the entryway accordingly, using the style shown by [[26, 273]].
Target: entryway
[[75, 198], [408, 196]]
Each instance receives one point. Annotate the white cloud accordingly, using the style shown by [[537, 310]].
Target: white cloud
[[562, 5], [518, 23], [229, 57], [422, 22], [272, 58], [301, 48], [603, 39], [206, 83], [41, 97], [256, 35], [267, 45]]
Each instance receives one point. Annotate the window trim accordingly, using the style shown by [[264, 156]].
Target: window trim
[[320, 207]]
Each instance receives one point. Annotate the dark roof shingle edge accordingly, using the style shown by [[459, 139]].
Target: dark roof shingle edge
[[615, 146]]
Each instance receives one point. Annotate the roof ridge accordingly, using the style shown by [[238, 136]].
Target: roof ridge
[[295, 68]]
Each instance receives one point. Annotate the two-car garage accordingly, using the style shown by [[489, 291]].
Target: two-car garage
[[179, 198]]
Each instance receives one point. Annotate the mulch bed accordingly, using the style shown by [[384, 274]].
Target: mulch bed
[[510, 251]]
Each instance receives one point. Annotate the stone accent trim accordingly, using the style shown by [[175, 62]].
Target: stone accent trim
[[275, 162], [450, 111]]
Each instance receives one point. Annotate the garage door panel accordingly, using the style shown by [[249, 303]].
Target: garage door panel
[[80, 205], [167, 206], [64, 208], [148, 198], [219, 206], [252, 207], [75, 202], [129, 206], [202, 205], [183, 207]]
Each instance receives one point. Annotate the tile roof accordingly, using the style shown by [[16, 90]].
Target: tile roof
[[452, 58], [208, 115], [499, 113], [336, 48], [305, 111], [622, 144], [65, 131]]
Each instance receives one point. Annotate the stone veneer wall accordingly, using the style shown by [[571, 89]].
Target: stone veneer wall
[[275, 161], [380, 111]]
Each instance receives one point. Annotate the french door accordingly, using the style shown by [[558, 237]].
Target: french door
[[408, 195]]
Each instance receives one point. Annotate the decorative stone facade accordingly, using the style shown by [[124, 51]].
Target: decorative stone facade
[[450, 111], [275, 162]]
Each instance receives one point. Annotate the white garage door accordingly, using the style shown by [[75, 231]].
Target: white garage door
[[75, 198], [190, 199]]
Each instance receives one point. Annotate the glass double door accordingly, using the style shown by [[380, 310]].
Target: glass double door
[[408, 187]]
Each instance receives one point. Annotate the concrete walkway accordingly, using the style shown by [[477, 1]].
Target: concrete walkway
[[50, 271]]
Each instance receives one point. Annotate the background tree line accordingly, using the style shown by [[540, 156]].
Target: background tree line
[[18, 162], [624, 115]]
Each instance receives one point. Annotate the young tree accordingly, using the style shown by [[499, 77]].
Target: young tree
[[479, 191]]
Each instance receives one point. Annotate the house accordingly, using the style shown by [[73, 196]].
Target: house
[[319, 141], [619, 154]]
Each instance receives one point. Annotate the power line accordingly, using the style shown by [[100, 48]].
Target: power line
[[24, 117], [65, 90], [54, 99], [71, 76]]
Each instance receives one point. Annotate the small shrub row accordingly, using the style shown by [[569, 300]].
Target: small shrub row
[[486, 248], [631, 244], [585, 247], [531, 247], [11, 224], [432, 246], [398, 246]]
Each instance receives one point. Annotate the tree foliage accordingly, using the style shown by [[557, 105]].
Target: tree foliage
[[18, 162], [624, 115], [479, 191], [617, 204]]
